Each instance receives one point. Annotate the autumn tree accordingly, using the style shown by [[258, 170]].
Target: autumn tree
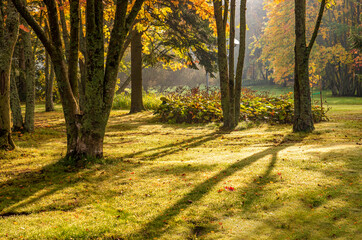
[[171, 34], [86, 128], [24, 68], [9, 25], [230, 83]]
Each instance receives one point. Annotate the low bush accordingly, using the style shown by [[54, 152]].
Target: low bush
[[201, 107]]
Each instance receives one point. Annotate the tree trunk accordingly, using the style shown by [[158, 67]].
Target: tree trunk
[[86, 128], [30, 79], [230, 85], [303, 118], [8, 36], [222, 61], [136, 72], [49, 80], [241, 57], [15, 105]]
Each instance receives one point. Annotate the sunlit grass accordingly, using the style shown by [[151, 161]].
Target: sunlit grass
[[277, 90], [150, 101], [164, 181]]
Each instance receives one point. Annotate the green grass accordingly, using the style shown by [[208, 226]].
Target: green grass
[[123, 101], [162, 181], [327, 95]]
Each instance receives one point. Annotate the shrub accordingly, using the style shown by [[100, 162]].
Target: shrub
[[200, 107]]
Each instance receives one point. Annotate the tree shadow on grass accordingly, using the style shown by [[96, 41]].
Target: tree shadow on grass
[[173, 148], [156, 228], [318, 214], [30, 186]]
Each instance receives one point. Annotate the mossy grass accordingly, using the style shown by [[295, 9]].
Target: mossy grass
[[183, 181]]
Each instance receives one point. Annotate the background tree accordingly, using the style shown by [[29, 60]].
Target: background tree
[[170, 34], [136, 72], [9, 23], [24, 65], [230, 83]]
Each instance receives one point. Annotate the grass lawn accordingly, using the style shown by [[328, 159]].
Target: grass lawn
[[162, 181], [327, 95]]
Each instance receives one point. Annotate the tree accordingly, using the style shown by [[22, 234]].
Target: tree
[[173, 34], [9, 25], [49, 80], [303, 118], [86, 128], [230, 83], [136, 72]]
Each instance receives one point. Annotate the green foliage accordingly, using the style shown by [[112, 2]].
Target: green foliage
[[151, 101], [200, 107]]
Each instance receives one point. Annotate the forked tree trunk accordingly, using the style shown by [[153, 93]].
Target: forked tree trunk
[[8, 35], [230, 85], [303, 118], [136, 72], [86, 128]]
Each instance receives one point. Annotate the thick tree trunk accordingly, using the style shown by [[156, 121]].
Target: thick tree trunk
[[136, 73], [86, 128], [30, 80], [49, 81], [15, 105], [8, 36], [303, 118]]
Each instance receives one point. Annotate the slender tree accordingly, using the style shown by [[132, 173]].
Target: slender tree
[[86, 128], [9, 28], [230, 83], [29, 77], [49, 80], [136, 72], [303, 118]]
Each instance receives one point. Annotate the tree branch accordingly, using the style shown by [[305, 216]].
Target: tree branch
[[34, 25], [316, 28]]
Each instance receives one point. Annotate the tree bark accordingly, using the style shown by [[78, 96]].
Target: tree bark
[[303, 118], [49, 80], [241, 57], [136, 72], [30, 79], [15, 105], [86, 128], [221, 21], [9, 27], [230, 83]]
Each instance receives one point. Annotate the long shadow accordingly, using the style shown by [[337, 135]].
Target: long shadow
[[155, 228], [29, 183], [34, 185], [50, 178], [254, 191], [173, 148]]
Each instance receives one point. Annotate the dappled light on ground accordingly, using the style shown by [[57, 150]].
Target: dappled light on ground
[[162, 181]]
